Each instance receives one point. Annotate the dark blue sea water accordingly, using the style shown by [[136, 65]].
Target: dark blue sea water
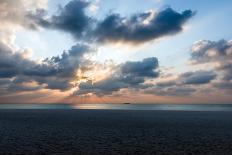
[[172, 107]]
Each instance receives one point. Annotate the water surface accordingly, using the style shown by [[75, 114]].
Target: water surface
[[172, 107]]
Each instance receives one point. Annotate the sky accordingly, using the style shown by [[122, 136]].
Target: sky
[[115, 51]]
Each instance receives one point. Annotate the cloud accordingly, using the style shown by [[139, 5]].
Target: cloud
[[16, 12], [219, 53], [141, 68], [54, 73], [183, 84], [14, 15], [223, 85], [226, 69], [189, 78], [138, 28], [205, 51], [64, 65], [22, 87], [20, 74], [12, 64], [198, 77], [166, 83], [171, 91], [58, 72], [141, 27], [72, 19], [131, 74]]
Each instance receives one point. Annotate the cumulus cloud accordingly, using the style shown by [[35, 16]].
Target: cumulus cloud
[[131, 74], [14, 15], [205, 51], [226, 69], [12, 63], [72, 18], [64, 65], [219, 53], [55, 73], [183, 84], [19, 73], [58, 72], [16, 12], [143, 68], [141, 27], [138, 28]]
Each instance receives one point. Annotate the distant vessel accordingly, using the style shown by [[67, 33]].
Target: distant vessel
[[126, 103]]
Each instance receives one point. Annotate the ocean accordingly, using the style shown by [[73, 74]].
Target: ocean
[[160, 107]]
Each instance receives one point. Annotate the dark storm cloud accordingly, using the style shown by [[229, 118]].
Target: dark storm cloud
[[116, 28], [127, 75], [198, 77]]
